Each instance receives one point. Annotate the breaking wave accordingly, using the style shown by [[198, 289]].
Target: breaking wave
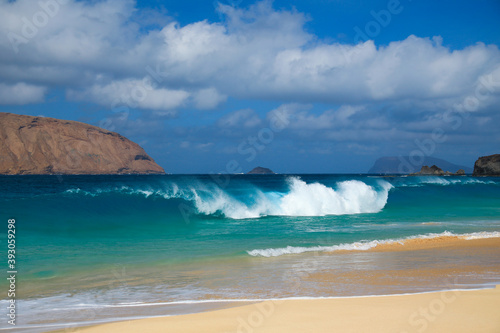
[[299, 199]]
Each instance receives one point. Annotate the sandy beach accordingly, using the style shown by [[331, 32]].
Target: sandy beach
[[450, 311], [454, 310], [450, 242]]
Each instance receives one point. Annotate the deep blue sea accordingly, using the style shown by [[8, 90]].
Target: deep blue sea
[[95, 248]]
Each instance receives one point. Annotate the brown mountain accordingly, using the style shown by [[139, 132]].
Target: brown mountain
[[39, 145]]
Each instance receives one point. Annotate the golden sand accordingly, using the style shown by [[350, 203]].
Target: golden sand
[[451, 311], [430, 243]]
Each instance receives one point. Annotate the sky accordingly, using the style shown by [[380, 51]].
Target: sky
[[318, 86]]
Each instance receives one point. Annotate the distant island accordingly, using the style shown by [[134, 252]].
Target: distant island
[[402, 165], [484, 166], [260, 171], [44, 146]]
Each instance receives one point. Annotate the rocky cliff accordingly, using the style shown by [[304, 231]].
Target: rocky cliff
[[39, 145], [487, 166]]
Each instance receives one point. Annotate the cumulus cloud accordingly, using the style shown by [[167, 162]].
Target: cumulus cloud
[[301, 116], [206, 99], [132, 94], [97, 50], [21, 93]]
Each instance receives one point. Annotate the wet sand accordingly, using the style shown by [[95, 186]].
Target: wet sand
[[440, 242], [455, 310]]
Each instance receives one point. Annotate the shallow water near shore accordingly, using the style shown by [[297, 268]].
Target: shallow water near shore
[[98, 248]]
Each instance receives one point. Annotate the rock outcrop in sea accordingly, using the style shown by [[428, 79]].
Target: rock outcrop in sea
[[487, 166], [436, 171], [433, 170], [41, 146], [261, 171]]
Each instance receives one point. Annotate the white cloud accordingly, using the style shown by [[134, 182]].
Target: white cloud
[[96, 51], [132, 94], [303, 117], [206, 99], [300, 116], [21, 93]]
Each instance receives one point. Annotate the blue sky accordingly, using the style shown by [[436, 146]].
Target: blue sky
[[297, 86]]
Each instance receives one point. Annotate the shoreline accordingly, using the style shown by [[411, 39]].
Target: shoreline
[[437, 241], [447, 278], [411, 243], [441, 311]]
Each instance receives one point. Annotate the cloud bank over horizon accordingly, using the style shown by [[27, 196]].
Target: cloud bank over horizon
[[257, 52]]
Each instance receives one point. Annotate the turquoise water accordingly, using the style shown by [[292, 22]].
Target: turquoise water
[[117, 241]]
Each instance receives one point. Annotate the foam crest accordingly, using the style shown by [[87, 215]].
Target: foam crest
[[444, 181], [350, 197], [360, 246], [302, 199], [365, 245], [482, 235]]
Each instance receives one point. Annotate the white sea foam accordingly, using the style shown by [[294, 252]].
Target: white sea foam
[[482, 234], [73, 190], [443, 181], [350, 197], [297, 250], [301, 199], [364, 245]]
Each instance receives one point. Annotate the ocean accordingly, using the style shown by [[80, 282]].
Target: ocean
[[92, 249]]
